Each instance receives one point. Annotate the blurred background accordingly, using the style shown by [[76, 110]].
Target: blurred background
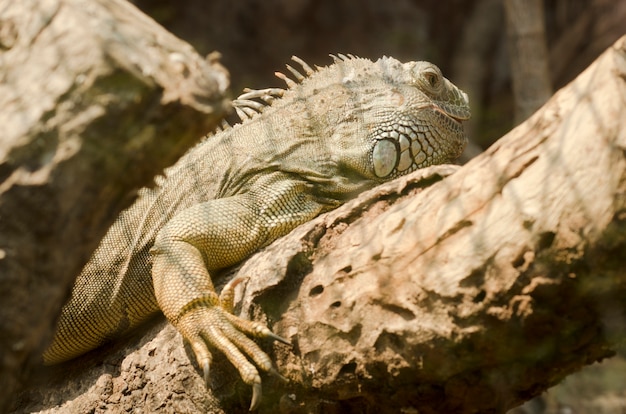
[[508, 55]]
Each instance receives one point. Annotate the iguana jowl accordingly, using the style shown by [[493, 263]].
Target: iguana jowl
[[298, 152]]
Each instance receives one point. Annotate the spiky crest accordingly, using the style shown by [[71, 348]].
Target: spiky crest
[[253, 102], [247, 105], [340, 57], [307, 69], [295, 73]]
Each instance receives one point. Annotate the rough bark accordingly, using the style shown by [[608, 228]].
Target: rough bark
[[460, 295], [95, 99]]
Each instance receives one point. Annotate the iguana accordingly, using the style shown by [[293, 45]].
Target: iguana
[[297, 152]]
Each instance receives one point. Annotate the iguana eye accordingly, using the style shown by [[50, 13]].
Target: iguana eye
[[433, 79]]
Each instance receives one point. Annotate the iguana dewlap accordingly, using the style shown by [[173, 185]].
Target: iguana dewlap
[[298, 152]]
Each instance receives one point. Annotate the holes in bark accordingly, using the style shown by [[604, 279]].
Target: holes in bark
[[480, 297], [524, 260], [335, 304], [475, 279], [528, 224], [317, 290], [299, 265], [545, 240], [400, 311], [519, 261], [348, 368]]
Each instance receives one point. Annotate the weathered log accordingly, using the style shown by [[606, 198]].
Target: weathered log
[[470, 293], [95, 99]]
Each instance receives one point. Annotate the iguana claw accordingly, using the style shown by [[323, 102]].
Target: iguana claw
[[256, 396], [206, 371], [257, 391], [277, 375], [278, 338]]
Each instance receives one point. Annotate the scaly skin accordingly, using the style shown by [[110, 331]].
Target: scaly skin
[[305, 150]]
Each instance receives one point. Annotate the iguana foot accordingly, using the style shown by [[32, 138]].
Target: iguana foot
[[212, 326]]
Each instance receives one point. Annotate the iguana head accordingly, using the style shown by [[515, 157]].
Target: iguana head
[[418, 121], [367, 121]]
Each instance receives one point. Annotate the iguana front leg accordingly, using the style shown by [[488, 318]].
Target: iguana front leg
[[214, 235]]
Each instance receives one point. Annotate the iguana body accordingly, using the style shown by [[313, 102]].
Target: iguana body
[[338, 131]]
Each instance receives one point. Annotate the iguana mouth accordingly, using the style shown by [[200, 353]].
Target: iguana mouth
[[456, 118]]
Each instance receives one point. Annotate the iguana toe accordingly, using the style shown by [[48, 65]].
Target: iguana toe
[[227, 296], [203, 356], [255, 329]]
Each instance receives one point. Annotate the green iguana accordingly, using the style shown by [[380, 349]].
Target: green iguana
[[298, 152]]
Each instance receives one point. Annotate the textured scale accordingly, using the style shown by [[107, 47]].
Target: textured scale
[[297, 152]]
